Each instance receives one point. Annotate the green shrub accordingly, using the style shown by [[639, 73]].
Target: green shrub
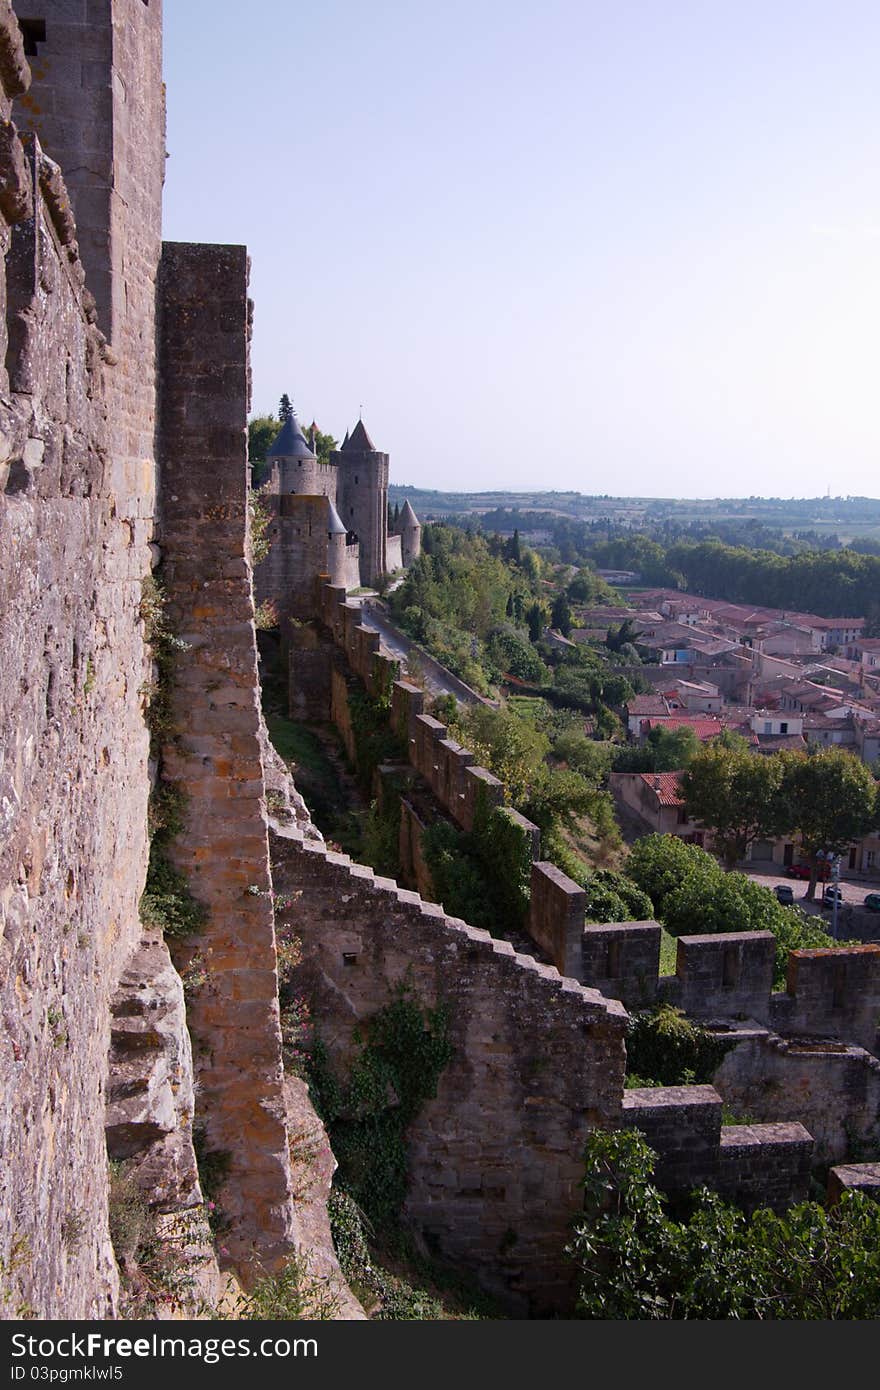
[[166, 901], [664, 1048], [634, 1262]]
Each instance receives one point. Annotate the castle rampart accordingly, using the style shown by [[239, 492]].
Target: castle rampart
[[214, 757], [496, 1158]]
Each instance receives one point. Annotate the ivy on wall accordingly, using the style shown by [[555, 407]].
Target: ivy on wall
[[403, 1051], [375, 741]]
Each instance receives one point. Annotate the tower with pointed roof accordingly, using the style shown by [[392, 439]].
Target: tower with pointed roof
[[362, 499], [307, 537], [297, 464], [328, 519], [410, 529]]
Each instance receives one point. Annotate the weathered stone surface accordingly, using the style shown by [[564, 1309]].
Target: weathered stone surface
[[74, 755], [150, 1093], [832, 1088], [854, 1177], [313, 1165], [538, 1061], [234, 1017]]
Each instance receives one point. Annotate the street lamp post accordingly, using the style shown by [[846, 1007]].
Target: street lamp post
[[829, 857]]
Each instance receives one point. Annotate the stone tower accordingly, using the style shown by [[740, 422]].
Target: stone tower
[[362, 499], [97, 107], [298, 469], [410, 535], [307, 535]]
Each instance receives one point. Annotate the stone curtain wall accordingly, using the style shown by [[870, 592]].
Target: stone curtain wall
[[832, 992], [753, 1165], [73, 760], [831, 1088], [538, 1061], [214, 755]]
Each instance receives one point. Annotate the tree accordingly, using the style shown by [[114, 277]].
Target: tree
[[513, 550], [262, 430], [664, 750], [535, 617], [285, 408], [693, 895], [828, 799], [635, 1262], [560, 617], [618, 637], [737, 794]]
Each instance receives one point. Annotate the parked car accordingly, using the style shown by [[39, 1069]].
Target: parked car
[[784, 894], [872, 902], [831, 895], [803, 871]]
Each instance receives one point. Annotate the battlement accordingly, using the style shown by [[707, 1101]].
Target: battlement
[[756, 1165], [537, 1062], [834, 992]]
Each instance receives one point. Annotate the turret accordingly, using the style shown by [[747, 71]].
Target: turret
[[410, 535], [362, 499], [297, 462], [336, 547]]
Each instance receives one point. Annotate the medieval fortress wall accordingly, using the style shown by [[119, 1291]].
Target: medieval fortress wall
[[86, 988], [123, 428]]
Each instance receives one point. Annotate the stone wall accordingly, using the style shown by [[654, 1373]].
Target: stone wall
[[298, 536], [725, 974], [73, 762], [393, 554], [622, 960], [214, 756], [496, 1158], [833, 992], [556, 917], [831, 1088], [753, 1165]]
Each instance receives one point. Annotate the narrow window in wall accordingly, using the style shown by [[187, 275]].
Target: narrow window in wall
[[33, 31], [729, 967], [612, 960], [838, 986]]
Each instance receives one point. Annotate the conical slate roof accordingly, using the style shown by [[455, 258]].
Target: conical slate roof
[[408, 520], [335, 524], [360, 442], [290, 442]]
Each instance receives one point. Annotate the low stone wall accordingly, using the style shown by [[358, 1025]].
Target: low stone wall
[[831, 1088], [725, 974], [622, 959], [556, 917], [752, 1165], [496, 1158], [833, 992], [413, 865], [854, 1177]]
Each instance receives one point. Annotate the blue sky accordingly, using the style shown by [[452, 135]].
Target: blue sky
[[620, 247]]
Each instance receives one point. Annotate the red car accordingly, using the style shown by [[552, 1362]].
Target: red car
[[803, 871]]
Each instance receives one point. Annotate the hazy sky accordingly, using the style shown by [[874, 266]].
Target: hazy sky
[[619, 247]]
